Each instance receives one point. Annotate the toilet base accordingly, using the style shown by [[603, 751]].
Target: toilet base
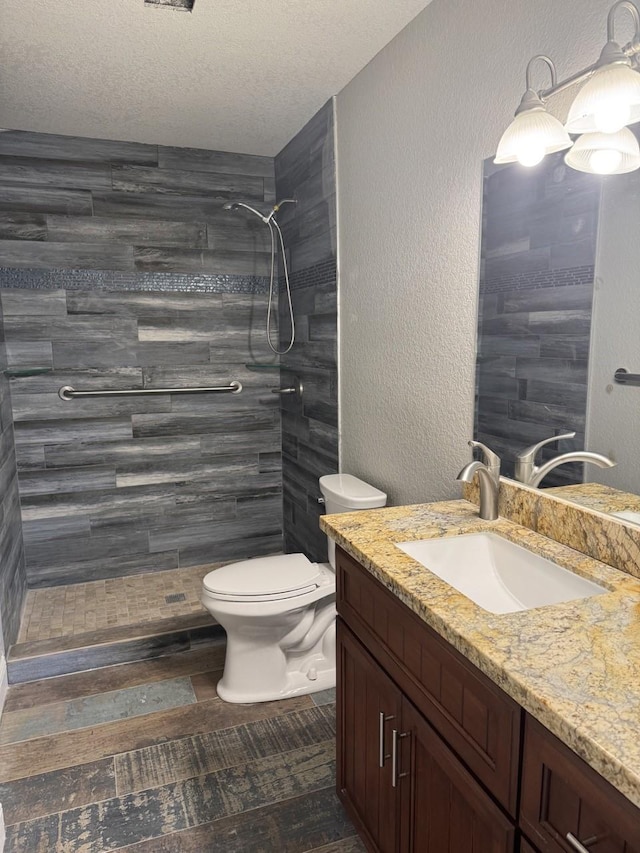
[[267, 672], [277, 656], [298, 684]]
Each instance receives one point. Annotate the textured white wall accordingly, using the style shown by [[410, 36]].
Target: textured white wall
[[412, 130]]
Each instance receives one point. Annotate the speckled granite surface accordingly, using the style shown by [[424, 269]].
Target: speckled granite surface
[[574, 666], [589, 530], [596, 496]]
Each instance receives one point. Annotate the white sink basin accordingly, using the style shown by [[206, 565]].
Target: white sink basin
[[499, 576]]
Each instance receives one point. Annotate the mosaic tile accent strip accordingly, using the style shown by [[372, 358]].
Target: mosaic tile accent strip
[[36, 279], [178, 5], [66, 611], [316, 275], [539, 279]]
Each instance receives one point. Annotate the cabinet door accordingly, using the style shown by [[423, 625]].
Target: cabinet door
[[444, 809], [477, 719], [566, 806], [368, 711]]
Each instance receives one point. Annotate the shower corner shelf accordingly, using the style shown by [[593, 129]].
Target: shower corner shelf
[[22, 372], [262, 367]]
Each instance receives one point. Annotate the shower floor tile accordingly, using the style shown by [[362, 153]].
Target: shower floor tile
[[66, 611]]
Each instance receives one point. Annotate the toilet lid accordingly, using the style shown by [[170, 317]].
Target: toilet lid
[[280, 576]]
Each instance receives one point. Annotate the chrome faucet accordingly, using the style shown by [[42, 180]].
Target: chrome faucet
[[488, 472], [527, 472]]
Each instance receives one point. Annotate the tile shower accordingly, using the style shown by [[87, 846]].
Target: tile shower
[[305, 169], [119, 269]]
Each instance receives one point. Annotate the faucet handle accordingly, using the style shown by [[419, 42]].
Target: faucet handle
[[528, 455], [490, 459]]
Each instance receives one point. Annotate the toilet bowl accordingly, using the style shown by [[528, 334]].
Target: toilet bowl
[[279, 612]]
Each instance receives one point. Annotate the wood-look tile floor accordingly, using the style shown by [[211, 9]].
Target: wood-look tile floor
[[73, 609], [146, 758]]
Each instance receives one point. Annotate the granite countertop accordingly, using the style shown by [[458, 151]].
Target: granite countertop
[[599, 497], [574, 666]]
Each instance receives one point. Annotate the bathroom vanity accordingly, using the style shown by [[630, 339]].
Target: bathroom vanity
[[453, 722]]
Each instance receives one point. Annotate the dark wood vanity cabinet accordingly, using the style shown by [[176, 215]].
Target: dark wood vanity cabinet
[[370, 709], [401, 688], [563, 799], [400, 782], [435, 758]]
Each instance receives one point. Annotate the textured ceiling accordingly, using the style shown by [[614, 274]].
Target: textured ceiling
[[233, 75]]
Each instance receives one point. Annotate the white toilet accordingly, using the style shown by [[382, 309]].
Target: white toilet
[[279, 612]]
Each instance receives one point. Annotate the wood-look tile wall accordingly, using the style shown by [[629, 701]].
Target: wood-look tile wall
[[74, 203], [115, 486], [536, 289], [112, 487], [13, 579], [305, 170]]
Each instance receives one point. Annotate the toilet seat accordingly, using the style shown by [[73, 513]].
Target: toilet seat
[[266, 579]]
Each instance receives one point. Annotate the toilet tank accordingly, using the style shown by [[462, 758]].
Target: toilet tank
[[345, 493]]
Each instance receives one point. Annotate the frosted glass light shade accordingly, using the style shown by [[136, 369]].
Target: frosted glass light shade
[[605, 153], [608, 101], [530, 137]]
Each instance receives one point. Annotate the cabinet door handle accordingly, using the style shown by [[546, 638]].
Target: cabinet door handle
[[382, 754], [578, 845], [395, 775]]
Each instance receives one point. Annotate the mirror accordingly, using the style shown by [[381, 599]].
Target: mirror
[[558, 314]]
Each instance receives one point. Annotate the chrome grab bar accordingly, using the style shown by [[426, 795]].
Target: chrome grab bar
[[67, 392], [623, 377]]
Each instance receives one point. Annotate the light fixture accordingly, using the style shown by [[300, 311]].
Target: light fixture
[[608, 102], [610, 99], [533, 133], [605, 153]]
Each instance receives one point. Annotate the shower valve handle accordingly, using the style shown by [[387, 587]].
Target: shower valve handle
[[295, 389]]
